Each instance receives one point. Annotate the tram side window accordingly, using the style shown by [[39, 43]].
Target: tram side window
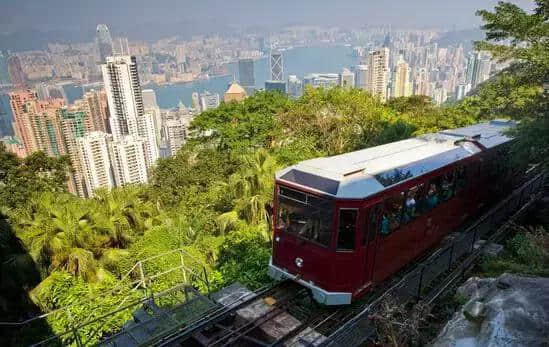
[[391, 219], [347, 227], [461, 178], [370, 225], [411, 210], [447, 188]]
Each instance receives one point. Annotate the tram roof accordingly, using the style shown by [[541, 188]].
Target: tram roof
[[359, 174]]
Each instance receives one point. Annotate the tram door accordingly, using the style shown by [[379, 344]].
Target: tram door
[[370, 229]]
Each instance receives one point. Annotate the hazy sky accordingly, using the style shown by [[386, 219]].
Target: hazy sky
[[150, 19]]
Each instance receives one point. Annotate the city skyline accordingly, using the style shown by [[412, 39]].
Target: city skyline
[[36, 23]]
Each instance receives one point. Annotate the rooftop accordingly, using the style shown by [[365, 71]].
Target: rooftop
[[359, 174]]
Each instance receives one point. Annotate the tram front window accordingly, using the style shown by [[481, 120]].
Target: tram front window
[[305, 215]]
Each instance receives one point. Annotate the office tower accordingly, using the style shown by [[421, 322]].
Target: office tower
[[484, 69], [401, 85], [479, 67], [277, 66], [103, 41], [294, 87], [347, 79], [279, 86], [472, 67], [15, 71], [124, 95], [378, 68], [208, 101], [6, 119], [246, 75], [326, 80], [4, 74], [149, 99], [121, 46], [361, 76], [176, 134], [128, 161], [462, 90], [235, 93], [93, 153]]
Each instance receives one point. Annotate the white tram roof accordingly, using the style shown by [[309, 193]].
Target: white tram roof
[[359, 174]]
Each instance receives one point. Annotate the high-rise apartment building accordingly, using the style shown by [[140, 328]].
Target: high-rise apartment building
[[94, 102], [128, 161], [209, 101], [131, 126], [294, 87], [104, 44], [6, 119], [123, 94], [361, 76], [400, 84], [347, 79], [93, 153], [378, 70], [176, 134]]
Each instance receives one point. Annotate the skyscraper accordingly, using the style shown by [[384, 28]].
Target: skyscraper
[[93, 152], [294, 87], [361, 76], [246, 75], [378, 68], [347, 79], [93, 103], [277, 66], [104, 44], [401, 85], [15, 71]]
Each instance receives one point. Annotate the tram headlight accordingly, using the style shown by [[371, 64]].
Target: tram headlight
[[299, 262], [277, 239]]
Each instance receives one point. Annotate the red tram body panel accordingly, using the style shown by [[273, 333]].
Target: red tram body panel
[[342, 224]]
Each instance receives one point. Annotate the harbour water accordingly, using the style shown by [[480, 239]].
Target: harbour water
[[299, 61]]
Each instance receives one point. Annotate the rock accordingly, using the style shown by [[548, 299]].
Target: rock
[[506, 311], [492, 249]]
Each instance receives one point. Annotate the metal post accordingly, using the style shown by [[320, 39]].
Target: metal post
[[207, 281], [183, 266], [420, 282]]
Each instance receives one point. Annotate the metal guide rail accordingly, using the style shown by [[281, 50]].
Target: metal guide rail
[[446, 266]]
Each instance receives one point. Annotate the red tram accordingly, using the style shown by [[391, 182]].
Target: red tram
[[342, 224]]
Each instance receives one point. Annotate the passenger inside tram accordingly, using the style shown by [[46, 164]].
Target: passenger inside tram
[[432, 198]]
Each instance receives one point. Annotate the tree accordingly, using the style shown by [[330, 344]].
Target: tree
[[526, 44], [20, 179]]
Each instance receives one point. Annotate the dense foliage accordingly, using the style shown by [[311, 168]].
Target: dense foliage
[[212, 198]]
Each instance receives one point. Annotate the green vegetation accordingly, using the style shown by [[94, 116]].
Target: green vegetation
[[211, 198]]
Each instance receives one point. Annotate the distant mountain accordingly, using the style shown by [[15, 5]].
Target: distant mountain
[[467, 37]]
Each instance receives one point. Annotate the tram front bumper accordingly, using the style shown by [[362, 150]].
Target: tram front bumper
[[320, 295]]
